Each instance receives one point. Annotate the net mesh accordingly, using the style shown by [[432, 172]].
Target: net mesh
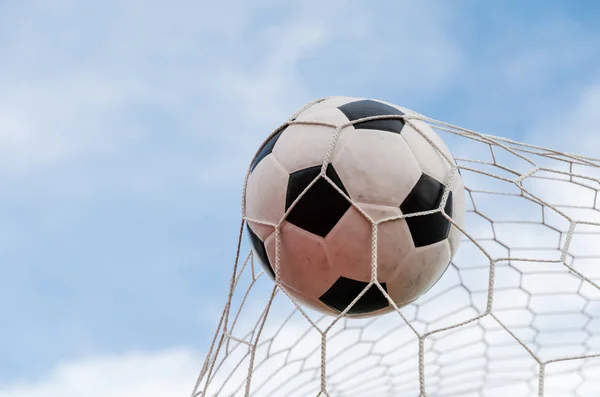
[[517, 313]]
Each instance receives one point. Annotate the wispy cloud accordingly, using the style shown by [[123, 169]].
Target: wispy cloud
[[106, 93], [159, 374], [575, 127]]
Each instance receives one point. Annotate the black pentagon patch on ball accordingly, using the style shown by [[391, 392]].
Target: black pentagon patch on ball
[[367, 108], [261, 252], [427, 195], [345, 290], [322, 206], [267, 148]]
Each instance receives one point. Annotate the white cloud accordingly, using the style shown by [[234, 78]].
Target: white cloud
[[147, 374], [576, 127], [221, 77], [62, 119]]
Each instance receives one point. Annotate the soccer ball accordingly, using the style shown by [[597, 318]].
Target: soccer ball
[[378, 171]]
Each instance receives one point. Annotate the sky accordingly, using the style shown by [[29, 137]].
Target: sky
[[126, 128]]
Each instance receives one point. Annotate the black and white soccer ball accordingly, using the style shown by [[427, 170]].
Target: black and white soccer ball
[[384, 167]]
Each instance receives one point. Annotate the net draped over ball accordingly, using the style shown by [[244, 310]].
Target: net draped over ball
[[328, 190]]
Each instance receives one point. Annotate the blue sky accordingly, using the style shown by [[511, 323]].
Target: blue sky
[[126, 128]]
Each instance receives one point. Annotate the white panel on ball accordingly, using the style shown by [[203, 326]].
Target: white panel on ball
[[377, 167], [349, 245], [303, 264], [419, 272], [432, 162], [301, 146], [426, 129], [265, 195]]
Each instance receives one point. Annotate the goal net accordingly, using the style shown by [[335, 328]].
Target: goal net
[[517, 313]]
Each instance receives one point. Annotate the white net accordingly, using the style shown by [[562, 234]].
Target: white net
[[517, 313]]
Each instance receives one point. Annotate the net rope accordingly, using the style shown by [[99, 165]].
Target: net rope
[[517, 313]]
